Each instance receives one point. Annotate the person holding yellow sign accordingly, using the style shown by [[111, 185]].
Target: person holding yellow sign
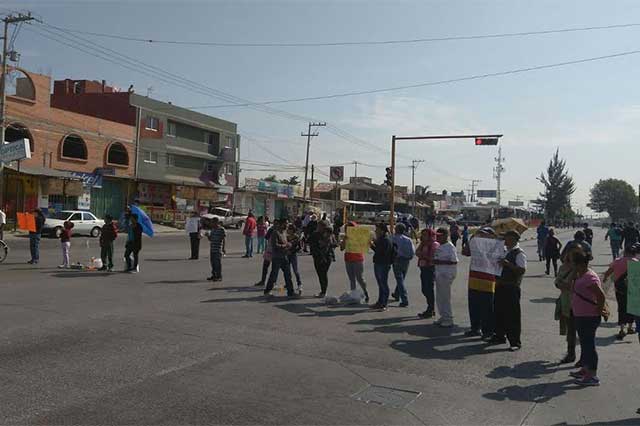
[[355, 244]]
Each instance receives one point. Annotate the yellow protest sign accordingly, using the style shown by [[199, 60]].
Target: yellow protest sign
[[358, 239]]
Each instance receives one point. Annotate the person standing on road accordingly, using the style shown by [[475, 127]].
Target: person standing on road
[[578, 242], [354, 264], [465, 235], [217, 240], [192, 227], [34, 237], [134, 244], [337, 224], [454, 232], [261, 231], [405, 251], [383, 257], [446, 263], [108, 235], [266, 258], [3, 222], [588, 305], [552, 247], [425, 252], [542, 232], [65, 243], [588, 234], [618, 269], [279, 249], [321, 243], [481, 294], [614, 235], [630, 235], [415, 224], [248, 231], [293, 237], [507, 296]]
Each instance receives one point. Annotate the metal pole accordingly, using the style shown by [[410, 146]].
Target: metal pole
[[392, 199], [3, 99], [413, 185], [311, 186], [306, 166]]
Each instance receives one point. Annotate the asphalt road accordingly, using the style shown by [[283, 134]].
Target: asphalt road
[[166, 347]]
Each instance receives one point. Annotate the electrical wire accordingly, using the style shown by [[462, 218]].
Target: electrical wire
[[350, 43]]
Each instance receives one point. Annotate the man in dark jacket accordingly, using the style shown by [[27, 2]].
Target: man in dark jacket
[[34, 237], [630, 235], [134, 244], [107, 237]]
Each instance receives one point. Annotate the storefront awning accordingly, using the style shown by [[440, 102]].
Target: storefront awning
[[43, 171], [361, 203]]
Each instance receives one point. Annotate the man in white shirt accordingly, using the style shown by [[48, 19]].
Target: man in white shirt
[[507, 297], [446, 261], [192, 228], [3, 221]]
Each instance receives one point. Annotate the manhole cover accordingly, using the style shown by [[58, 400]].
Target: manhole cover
[[397, 398]]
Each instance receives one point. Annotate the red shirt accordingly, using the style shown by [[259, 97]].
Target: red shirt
[[65, 236], [249, 227]]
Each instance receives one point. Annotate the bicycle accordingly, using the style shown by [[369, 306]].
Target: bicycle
[[4, 251]]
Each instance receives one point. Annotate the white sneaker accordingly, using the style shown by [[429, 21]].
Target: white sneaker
[[62, 266], [437, 322], [138, 268]]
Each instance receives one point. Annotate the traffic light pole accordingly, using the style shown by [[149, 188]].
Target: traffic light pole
[[394, 139]]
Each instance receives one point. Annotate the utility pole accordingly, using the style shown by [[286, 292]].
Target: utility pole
[[355, 172], [8, 20], [309, 135], [497, 174], [474, 183], [414, 165], [311, 188]]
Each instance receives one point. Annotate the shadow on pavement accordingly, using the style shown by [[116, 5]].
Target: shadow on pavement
[[540, 392], [237, 299], [81, 274], [544, 300], [524, 370], [622, 422], [166, 260], [176, 282], [435, 348], [536, 276]]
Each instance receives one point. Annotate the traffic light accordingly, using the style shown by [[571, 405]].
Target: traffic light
[[486, 141], [389, 177]]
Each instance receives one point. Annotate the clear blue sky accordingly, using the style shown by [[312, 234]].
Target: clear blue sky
[[590, 111]]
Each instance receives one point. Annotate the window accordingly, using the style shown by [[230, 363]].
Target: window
[[15, 132], [117, 155], [75, 216], [171, 128], [74, 147], [210, 167], [170, 160], [228, 142], [229, 168], [212, 138], [152, 124], [185, 162], [88, 216], [150, 157]]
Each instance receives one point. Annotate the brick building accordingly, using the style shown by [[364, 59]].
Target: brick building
[[77, 160]]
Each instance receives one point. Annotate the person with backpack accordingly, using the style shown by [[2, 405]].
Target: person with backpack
[[384, 254], [618, 269], [108, 235]]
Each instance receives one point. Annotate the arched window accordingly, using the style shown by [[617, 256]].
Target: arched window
[[17, 131], [74, 147], [117, 155], [20, 85]]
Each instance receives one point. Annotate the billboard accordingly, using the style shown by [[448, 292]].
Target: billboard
[[336, 173], [487, 193], [516, 203]]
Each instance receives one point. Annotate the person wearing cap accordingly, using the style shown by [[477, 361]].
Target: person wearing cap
[[354, 264], [405, 251], [507, 295]]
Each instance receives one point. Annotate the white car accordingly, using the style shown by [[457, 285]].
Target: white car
[[83, 223]]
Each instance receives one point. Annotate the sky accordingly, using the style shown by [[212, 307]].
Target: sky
[[589, 111]]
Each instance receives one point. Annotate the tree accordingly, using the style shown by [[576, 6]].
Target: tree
[[615, 197], [293, 180], [558, 188], [270, 178]]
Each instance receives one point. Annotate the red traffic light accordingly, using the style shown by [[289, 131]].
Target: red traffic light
[[486, 141]]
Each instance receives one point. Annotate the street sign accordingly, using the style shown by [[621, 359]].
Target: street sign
[[487, 193], [516, 203], [13, 151], [336, 173]]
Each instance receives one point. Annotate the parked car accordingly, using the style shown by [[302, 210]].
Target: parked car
[[228, 218], [385, 215], [84, 222]]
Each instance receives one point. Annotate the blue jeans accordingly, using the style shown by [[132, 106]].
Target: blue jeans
[[381, 271], [277, 264], [34, 246], [261, 244], [586, 328], [248, 243], [400, 268], [615, 249], [293, 262], [427, 281], [481, 311]]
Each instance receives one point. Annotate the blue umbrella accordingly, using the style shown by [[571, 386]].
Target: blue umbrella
[[143, 220]]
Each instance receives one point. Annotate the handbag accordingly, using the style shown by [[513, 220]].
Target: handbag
[[605, 309]]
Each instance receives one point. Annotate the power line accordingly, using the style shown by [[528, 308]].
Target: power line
[[429, 83], [348, 43]]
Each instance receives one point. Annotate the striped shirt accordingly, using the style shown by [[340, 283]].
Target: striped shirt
[[216, 238]]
